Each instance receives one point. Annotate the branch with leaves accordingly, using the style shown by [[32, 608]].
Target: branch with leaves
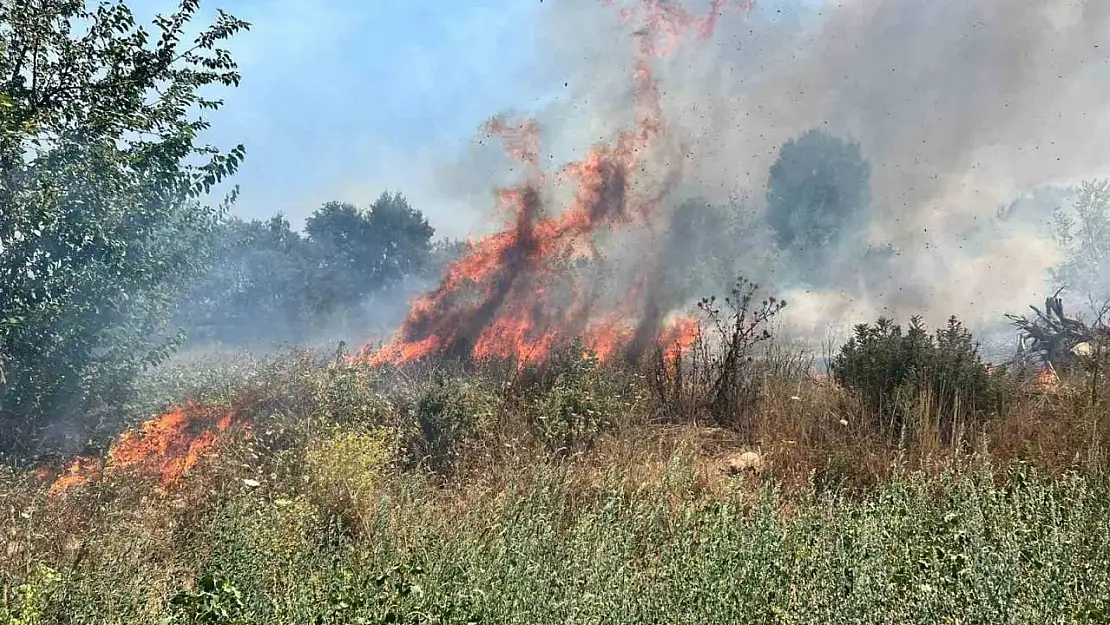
[[102, 183]]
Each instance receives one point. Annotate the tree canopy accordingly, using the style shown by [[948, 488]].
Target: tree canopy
[[361, 251], [268, 282], [101, 177], [1083, 234], [818, 188]]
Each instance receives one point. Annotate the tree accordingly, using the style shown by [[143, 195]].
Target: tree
[[257, 287], [338, 234], [818, 188], [268, 283], [101, 179], [401, 237], [362, 251], [1084, 238]]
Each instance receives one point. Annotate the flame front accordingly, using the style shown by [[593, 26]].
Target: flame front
[[167, 447], [517, 293]]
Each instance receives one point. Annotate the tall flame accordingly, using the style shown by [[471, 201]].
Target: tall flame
[[515, 293]]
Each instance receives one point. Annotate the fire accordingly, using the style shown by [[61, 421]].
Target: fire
[[666, 21], [517, 293], [77, 472], [167, 447], [678, 337], [1046, 379], [605, 339]]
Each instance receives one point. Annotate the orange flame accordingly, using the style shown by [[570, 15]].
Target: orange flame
[[167, 447], [514, 293], [77, 472], [679, 337], [1046, 379], [605, 339]]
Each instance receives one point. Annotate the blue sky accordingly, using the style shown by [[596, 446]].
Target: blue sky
[[343, 98]]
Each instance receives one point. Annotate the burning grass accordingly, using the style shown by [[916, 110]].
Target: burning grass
[[530, 495], [165, 447]]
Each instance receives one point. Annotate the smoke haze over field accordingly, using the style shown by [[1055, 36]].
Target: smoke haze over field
[[960, 107]]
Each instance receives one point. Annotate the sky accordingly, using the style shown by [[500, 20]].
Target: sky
[[343, 99]]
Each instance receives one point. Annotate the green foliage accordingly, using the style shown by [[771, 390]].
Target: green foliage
[[817, 191], [100, 221], [1084, 235], [890, 370], [596, 537], [268, 283], [359, 252], [257, 286], [349, 394], [440, 424], [25, 603], [215, 601], [578, 400], [390, 597], [345, 469]]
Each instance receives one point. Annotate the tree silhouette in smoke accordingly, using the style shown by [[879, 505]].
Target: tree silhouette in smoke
[[1082, 231], [363, 251], [818, 187]]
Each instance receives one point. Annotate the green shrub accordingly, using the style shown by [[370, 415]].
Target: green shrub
[[345, 469], [346, 393], [215, 601], [571, 412], [573, 398], [440, 423], [890, 370], [24, 604]]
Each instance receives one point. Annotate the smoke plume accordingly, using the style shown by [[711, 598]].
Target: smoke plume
[[959, 107]]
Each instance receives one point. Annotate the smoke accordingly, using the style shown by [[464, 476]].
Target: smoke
[[960, 108]]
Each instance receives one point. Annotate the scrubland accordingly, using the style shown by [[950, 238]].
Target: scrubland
[[569, 492]]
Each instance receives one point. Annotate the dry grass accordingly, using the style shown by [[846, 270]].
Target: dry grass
[[330, 475]]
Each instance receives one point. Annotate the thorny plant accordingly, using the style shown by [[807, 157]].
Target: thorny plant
[[718, 376]]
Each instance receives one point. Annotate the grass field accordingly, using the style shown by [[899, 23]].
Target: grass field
[[582, 493]]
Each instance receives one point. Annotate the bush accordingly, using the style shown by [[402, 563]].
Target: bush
[[215, 601], [721, 377], [441, 422], [26, 602], [570, 399], [889, 370], [585, 399], [345, 470]]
